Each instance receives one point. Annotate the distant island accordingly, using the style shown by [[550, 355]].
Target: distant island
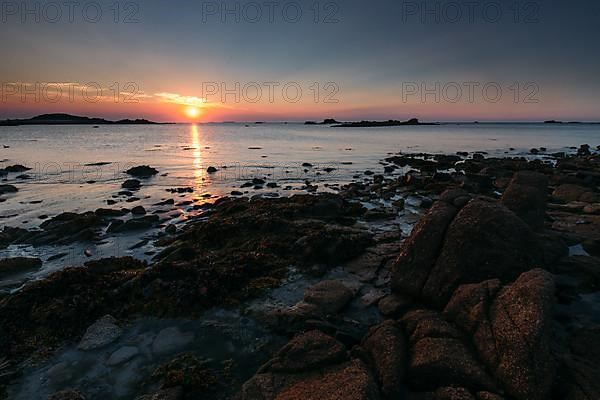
[[328, 121], [67, 119], [391, 122]]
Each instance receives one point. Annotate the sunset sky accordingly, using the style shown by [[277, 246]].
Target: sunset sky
[[352, 60]]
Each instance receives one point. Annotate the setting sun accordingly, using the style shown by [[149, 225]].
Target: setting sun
[[192, 112]]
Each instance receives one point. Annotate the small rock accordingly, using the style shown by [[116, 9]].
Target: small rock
[[142, 171], [426, 203], [138, 210], [4, 189], [331, 296], [102, 332], [16, 168], [131, 184], [211, 170]]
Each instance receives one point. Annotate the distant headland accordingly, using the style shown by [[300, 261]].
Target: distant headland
[[391, 122], [68, 119]]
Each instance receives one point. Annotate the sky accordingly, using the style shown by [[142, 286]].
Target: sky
[[193, 60]]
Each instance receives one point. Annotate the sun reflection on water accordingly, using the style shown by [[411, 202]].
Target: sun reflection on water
[[197, 155]]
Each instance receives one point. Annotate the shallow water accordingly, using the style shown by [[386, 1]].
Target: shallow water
[[64, 179], [217, 337]]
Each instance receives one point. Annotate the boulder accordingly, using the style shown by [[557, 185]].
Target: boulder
[[568, 192], [311, 350], [442, 361], [329, 296], [510, 327], [419, 252], [526, 197], [350, 381], [393, 305], [484, 240], [311, 366], [387, 349]]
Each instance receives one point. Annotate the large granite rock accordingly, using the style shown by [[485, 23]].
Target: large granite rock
[[312, 366], [510, 327], [440, 355], [483, 240], [387, 350], [526, 197]]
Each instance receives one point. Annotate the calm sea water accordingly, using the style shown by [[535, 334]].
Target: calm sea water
[[63, 179]]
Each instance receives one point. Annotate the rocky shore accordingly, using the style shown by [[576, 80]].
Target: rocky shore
[[493, 294]]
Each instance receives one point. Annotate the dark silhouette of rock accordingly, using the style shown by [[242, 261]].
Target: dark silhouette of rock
[[16, 168], [4, 189], [142, 171], [138, 210], [131, 184]]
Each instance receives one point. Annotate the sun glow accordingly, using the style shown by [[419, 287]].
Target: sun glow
[[192, 112]]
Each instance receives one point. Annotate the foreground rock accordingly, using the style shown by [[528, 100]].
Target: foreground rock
[[312, 366], [449, 247], [387, 350], [328, 296], [510, 327], [243, 248]]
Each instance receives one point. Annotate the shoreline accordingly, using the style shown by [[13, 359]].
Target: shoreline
[[415, 285]]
